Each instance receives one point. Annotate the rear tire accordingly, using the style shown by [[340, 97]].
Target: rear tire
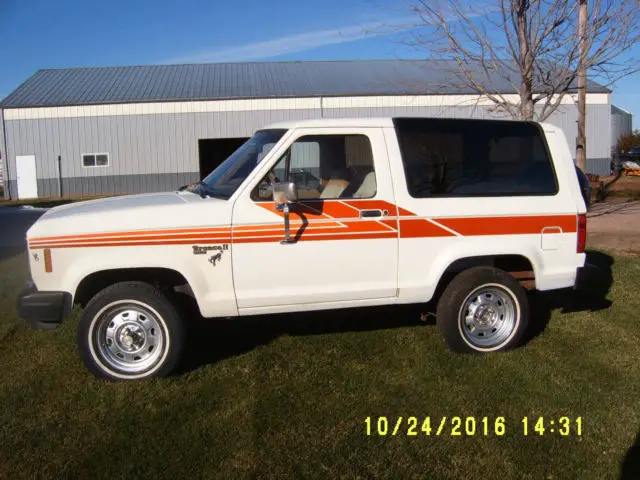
[[483, 309], [130, 331]]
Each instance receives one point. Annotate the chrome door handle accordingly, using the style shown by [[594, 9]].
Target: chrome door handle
[[370, 213]]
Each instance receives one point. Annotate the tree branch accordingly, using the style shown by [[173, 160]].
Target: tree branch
[[524, 47]]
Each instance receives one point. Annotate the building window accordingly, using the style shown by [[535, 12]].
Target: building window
[[95, 160]]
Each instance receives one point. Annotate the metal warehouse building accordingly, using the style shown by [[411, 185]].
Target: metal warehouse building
[[113, 130]]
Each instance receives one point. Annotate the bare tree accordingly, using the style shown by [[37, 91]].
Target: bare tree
[[524, 56], [583, 25]]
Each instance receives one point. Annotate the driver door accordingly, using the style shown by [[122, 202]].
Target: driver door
[[344, 225]]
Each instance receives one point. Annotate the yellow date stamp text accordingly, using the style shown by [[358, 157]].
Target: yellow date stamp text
[[458, 426]]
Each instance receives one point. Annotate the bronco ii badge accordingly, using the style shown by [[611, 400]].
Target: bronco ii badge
[[214, 259]]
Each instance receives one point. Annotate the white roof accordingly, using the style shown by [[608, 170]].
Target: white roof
[[349, 122], [334, 122]]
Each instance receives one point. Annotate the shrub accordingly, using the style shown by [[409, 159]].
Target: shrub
[[628, 140]]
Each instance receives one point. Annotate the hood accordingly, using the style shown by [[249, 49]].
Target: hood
[[105, 205], [132, 212]]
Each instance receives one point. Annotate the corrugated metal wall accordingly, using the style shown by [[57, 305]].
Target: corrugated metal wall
[[621, 124], [160, 151], [4, 177], [146, 152]]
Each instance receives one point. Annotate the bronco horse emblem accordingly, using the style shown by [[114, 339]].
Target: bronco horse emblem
[[215, 258]]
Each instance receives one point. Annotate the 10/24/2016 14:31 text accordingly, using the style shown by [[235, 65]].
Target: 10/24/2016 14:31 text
[[471, 426]]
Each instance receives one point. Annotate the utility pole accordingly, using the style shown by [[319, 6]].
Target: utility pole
[[581, 147]]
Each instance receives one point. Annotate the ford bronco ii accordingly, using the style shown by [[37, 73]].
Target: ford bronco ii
[[318, 215]]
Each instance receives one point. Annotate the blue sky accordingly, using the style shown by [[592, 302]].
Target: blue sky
[[38, 34]]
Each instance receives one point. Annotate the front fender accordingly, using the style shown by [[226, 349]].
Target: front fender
[[211, 282]]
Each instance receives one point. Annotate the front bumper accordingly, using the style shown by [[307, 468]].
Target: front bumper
[[43, 310]]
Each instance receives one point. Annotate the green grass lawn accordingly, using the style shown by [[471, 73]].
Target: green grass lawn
[[287, 396]]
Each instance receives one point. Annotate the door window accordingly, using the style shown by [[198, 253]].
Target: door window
[[324, 167]]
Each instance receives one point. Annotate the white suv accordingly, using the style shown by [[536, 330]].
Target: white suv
[[317, 215]]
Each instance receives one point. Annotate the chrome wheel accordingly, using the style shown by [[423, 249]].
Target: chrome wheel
[[129, 337], [488, 317]]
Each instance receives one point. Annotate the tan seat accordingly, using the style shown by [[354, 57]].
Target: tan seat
[[367, 188], [360, 163], [334, 188]]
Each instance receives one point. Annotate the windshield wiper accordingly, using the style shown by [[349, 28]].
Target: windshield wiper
[[205, 190], [194, 185], [195, 188], [198, 188]]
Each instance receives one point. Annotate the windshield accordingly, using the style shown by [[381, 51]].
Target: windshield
[[229, 175]]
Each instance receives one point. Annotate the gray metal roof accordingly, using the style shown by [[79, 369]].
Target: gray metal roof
[[161, 83], [615, 110]]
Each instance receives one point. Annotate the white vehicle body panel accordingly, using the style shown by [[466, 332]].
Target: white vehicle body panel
[[268, 273], [104, 242], [553, 269]]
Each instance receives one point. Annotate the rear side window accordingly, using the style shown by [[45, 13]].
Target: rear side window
[[475, 158]]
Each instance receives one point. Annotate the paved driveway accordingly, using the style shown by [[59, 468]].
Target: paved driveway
[[14, 223], [615, 225]]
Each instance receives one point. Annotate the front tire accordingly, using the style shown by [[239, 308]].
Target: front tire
[[483, 310], [130, 331]]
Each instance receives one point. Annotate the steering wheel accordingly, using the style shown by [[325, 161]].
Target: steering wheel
[[269, 180], [272, 177]]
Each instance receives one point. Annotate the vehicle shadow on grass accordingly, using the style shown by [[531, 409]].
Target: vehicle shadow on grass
[[590, 297], [630, 465], [8, 252], [211, 340]]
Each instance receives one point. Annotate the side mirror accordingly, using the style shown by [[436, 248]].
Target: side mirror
[[284, 193]]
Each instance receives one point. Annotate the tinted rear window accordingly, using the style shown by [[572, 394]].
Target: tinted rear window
[[457, 158]]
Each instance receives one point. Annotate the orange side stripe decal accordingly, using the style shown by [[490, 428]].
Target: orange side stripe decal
[[120, 243], [375, 205], [333, 209], [419, 227], [322, 220], [508, 225], [245, 231], [309, 212], [345, 229], [319, 236], [48, 265], [146, 238], [105, 235], [293, 223]]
